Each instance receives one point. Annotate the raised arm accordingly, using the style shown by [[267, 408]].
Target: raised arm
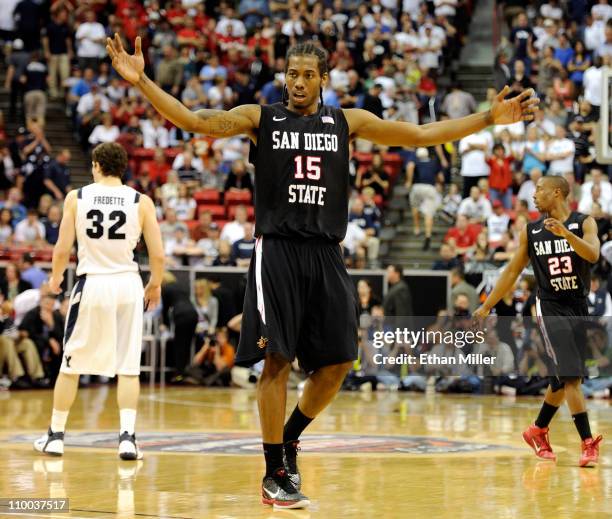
[[508, 277], [215, 123], [367, 126]]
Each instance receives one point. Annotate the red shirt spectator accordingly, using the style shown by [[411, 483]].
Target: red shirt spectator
[[500, 177], [158, 168], [463, 234]]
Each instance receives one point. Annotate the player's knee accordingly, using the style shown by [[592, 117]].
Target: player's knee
[[338, 371], [275, 367], [571, 381]]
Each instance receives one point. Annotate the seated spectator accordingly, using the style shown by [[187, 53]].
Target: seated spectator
[[461, 287], [234, 231], [188, 167], [481, 251], [354, 238], [52, 224], [370, 225], [527, 189], [178, 246], [579, 63], [30, 231], [450, 203], [586, 204], [31, 273], [131, 134], [602, 220], [193, 95], [242, 249], [170, 224], [45, 327], [500, 351], [476, 207], [184, 205], [497, 224], [6, 227], [212, 364], [169, 190], [105, 132], [158, 169], [474, 150], [154, 133], [239, 179], [201, 229], [209, 244], [207, 306], [45, 202], [224, 258], [596, 178], [500, 177], [57, 175], [376, 177], [12, 284], [463, 235], [448, 258], [367, 300]]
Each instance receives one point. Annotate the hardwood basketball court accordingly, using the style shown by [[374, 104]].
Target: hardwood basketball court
[[372, 455]]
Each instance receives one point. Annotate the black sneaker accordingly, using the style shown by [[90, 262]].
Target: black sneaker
[[20, 383], [427, 243], [278, 491], [290, 457], [128, 448]]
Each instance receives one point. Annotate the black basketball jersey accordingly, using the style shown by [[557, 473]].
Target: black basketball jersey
[[561, 274], [301, 173]]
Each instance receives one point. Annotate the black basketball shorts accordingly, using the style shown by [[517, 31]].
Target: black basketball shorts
[[299, 301], [563, 329]]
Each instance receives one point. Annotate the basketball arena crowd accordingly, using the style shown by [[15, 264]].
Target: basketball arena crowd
[[397, 59]]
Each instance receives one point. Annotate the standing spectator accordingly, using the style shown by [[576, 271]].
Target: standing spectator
[[500, 177], [90, 38], [234, 231], [461, 286], [560, 153], [238, 180], [7, 22], [497, 224], [45, 327], [534, 156], [458, 103], [207, 307], [398, 301], [474, 150], [527, 189], [422, 175], [30, 231], [592, 84], [34, 81], [28, 17], [57, 45], [17, 63], [242, 249], [31, 273], [52, 224], [57, 175], [371, 100], [579, 63]]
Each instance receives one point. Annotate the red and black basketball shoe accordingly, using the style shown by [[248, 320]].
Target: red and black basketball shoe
[[537, 438], [278, 491], [590, 452]]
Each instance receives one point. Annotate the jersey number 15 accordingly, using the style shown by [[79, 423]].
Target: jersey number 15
[[96, 230]]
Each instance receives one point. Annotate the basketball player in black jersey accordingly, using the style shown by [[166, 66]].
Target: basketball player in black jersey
[[299, 299], [561, 247]]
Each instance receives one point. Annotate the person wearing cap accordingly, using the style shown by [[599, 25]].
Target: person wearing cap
[[422, 174]]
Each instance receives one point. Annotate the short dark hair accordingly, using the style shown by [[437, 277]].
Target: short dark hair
[[559, 183], [458, 271], [308, 48], [112, 158], [398, 269]]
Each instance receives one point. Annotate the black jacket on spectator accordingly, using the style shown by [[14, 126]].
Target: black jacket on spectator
[[39, 332], [373, 104], [398, 301], [177, 305], [59, 174], [22, 286], [243, 182]]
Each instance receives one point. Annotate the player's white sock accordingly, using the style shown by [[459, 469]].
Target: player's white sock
[[58, 420], [127, 419]]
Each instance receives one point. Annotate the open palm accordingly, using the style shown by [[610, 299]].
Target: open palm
[[131, 67], [519, 108]]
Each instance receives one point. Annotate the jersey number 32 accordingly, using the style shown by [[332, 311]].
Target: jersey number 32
[[96, 231]]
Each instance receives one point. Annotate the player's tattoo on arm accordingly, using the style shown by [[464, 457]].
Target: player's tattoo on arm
[[219, 123]]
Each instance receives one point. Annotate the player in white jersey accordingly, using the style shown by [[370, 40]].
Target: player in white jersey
[[103, 334]]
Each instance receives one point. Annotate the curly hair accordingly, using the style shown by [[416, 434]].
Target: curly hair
[[112, 158], [308, 48]]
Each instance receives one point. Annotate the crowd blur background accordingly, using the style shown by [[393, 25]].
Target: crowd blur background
[[397, 59]]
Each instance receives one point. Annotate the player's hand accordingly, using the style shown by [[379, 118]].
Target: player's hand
[[55, 346], [131, 67], [556, 227], [152, 296], [481, 313], [519, 108], [55, 285]]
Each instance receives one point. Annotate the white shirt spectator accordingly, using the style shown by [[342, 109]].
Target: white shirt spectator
[[179, 162], [338, 78], [238, 27], [606, 191], [517, 130], [561, 166], [592, 82], [412, 7], [7, 22], [408, 40], [429, 58], [183, 208], [473, 163], [586, 205], [90, 39], [102, 134], [26, 233], [526, 192], [354, 236], [601, 12], [153, 137], [445, 7], [24, 302], [293, 28], [232, 232], [550, 11], [478, 210], [232, 148], [594, 35], [546, 126], [217, 98], [497, 226], [87, 101]]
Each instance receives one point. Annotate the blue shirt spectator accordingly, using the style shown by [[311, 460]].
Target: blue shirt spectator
[[31, 273], [367, 221]]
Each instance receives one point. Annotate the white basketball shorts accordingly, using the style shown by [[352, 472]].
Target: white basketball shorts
[[103, 334]]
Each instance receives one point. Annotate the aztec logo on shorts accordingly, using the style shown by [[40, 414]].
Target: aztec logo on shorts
[[250, 444]]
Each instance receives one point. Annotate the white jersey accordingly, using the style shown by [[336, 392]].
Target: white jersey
[[107, 229]]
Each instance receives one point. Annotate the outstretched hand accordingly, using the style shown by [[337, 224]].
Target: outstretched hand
[[519, 108], [131, 67]]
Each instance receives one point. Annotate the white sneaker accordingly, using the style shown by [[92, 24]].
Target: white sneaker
[[128, 448], [51, 443]]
